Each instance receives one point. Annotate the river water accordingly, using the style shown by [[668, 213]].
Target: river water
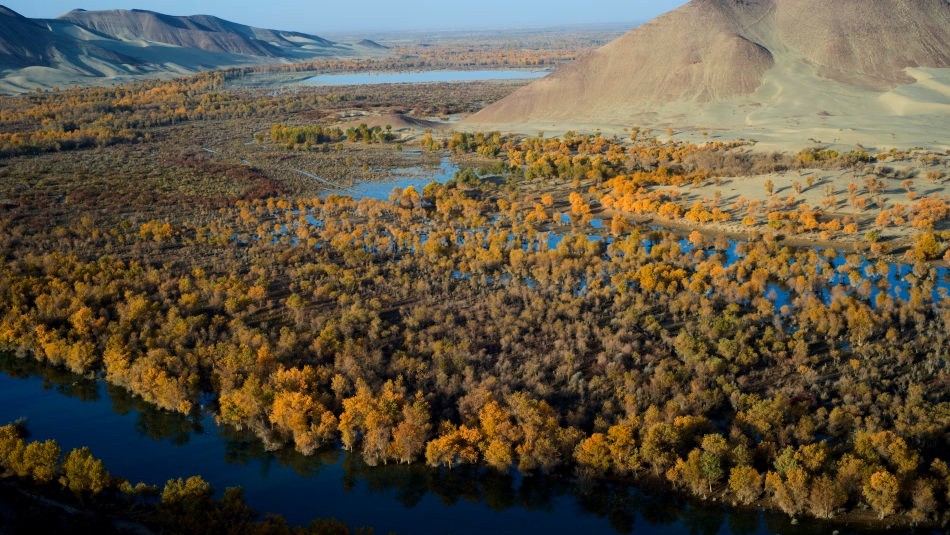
[[145, 444], [372, 78]]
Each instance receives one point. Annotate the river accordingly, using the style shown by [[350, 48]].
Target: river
[[404, 77], [145, 444]]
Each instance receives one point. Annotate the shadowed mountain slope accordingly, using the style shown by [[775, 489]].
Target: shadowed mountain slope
[[371, 44], [22, 42], [25, 42], [202, 32], [91, 47]]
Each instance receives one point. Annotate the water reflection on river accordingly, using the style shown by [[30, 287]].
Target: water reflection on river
[[145, 444]]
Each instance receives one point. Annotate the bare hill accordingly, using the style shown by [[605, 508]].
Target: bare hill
[[22, 42], [739, 61], [369, 43], [202, 32], [25, 42], [93, 47]]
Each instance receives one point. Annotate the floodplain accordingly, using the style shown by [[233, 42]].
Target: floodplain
[[325, 268]]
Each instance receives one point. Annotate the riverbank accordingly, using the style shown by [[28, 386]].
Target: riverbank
[[405, 498]]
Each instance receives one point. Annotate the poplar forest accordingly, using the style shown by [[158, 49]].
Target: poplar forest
[[157, 235]]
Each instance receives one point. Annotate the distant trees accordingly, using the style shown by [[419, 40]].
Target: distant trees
[[321, 369], [304, 137], [185, 505], [367, 134]]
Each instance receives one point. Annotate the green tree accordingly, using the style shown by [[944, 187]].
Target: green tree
[[188, 503], [710, 468], [659, 447], [11, 446]]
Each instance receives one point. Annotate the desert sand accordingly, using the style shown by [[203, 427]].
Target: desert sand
[[787, 73], [398, 122]]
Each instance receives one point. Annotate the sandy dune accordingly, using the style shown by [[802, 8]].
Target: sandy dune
[[780, 71], [397, 121]]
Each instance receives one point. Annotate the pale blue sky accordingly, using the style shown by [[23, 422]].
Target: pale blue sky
[[317, 16]]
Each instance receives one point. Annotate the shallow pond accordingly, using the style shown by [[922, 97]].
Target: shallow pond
[[400, 177], [417, 177], [371, 78]]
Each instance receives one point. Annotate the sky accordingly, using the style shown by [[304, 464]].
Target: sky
[[328, 16]]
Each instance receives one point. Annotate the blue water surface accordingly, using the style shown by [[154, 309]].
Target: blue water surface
[[402, 77], [150, 445]]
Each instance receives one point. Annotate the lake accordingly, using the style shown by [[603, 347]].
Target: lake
[[418, 77], [145, 444]]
